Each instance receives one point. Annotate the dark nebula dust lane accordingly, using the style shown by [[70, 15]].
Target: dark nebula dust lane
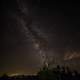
[[34, 31]]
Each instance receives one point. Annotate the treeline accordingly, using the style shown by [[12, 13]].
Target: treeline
[[57, 73]]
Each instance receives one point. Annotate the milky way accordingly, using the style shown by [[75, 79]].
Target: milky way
[[34, 31]]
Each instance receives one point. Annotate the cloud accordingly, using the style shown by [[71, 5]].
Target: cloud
[[69, 55]]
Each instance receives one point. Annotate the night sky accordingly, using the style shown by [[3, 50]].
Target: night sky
[[31, 29]]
